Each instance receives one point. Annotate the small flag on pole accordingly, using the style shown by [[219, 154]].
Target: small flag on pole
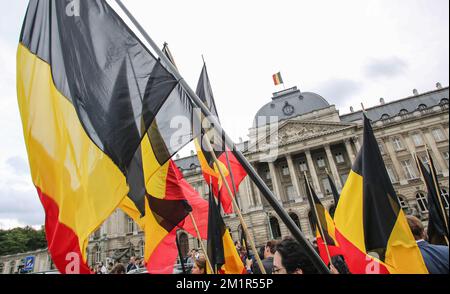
[[277, 79]]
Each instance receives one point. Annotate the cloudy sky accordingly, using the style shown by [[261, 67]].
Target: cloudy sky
[[348, 51]]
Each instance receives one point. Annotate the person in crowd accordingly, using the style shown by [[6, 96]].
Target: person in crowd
[[267, 260], [338, 265], [131, 264], [137, 263], [199, 266], [110, 267], [118, 269], [102, 268], [261, 252], [196, 254], [188, 258], [435, 256], [289, 258]]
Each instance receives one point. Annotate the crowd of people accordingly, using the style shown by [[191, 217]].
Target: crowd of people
[[135, 263], [287, 257]]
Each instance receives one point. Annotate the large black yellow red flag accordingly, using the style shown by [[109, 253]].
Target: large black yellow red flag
[[371, 227], [231, 168], [437, 217], [169, 201], [222, 253], [88, 92], [325, 234]]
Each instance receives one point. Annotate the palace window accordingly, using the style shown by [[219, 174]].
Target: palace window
[[445, 154], [408, 169], [438, 135], [285, 170], [422, 107], [422, 201], [403, 112], [296, 220], [385, 116], [275, 228], [391, 174], [290, 192], [417, 139], [397, 142], [403, 204], [130, 225], [339, 158], [326, 186], [320, 162], [425, 160], [303, 166]]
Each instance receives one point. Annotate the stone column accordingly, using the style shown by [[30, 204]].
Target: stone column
[[333, 167], [348, 146], [312, 171], [275, 181], [439, 159], [357, 144], [294, 176], [396, 163], [254, 188]]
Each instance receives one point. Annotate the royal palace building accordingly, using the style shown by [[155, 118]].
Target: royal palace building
[[296, 134]]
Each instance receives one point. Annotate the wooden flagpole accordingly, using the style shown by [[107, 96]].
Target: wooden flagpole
[[199, 237]]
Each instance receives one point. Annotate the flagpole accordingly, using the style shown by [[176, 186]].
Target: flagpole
[[438, 191], [180, 254], [236, 207], [199, 237], [265, 191], [226, 153], [416, 158], [319, 224]]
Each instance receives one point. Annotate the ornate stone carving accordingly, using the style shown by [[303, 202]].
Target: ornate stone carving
[[297, 131]]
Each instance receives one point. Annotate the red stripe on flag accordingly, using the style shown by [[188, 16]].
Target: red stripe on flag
[[62, 242], [164, 256], [358, 262], [333, 250], [238, 176]]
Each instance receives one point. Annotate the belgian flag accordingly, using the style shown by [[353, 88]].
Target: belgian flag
[[325, 234], [169, 201], [371, 227], [89, 92], [438, 217], [228, 164], [222, 253]]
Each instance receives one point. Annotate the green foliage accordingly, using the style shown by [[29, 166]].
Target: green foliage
[[20, 240]]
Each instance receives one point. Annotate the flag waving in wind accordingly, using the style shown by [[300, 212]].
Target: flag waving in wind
[[438, 218], [231, 168], [371, 227], [222, 253], [89, 92], [326, 243]]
